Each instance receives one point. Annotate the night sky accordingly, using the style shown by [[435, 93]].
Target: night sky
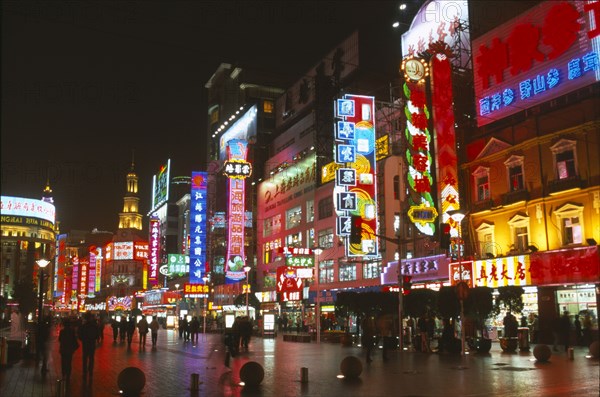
[[84, 84]]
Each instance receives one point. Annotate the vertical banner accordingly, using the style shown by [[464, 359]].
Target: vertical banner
[[356, 190], [442, 98], [422, 211], [92, 273], [99, 265], [75, 276], [198, 226], [84, 264], [236, 169], [154, 251], [59, 268]]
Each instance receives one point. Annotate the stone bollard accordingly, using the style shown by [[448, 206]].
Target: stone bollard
[[571, 353], [304, 375], [252, 373], [131, 381], [542, 353], [351, 367], [60, 388], [195, 382], [595, 349]]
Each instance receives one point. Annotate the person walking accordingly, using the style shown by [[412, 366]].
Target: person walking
[[384, 330], [180, 327], [143, 331], [578, 335], [68, 344], [123, 329], [88, 333], [42, 341], [245, 331], [101, 325], [587, 329], [115, 328], [154, 331], [130, 330], [186, 329], [565, 329], [368, 336], [194, 329]]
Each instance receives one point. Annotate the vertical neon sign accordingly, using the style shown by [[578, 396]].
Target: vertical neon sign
[[445, 138], [198, 226], [154, 251], [237, 151]]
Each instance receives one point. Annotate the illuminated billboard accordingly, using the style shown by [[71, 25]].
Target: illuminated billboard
[[160, 186], [243, 129], [236, 257], [154, 251], [538, 56], [123, 250], [198, 216], [355, 192], [14, 208]]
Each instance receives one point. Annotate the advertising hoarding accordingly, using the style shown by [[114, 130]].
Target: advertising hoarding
[[26, 208], [198, 217], [160, 186]]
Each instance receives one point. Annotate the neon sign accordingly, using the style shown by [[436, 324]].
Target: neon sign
[[198, 215], [154, 250], [237, 150], [548, 52]]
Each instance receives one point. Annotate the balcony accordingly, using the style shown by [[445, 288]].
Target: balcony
[[482, 205], [515, 196], [562, 185]]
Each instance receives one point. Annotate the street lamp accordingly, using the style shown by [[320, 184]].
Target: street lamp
[[246, 270], [458, 216], [317, 251], [42, 263], [205, 279]]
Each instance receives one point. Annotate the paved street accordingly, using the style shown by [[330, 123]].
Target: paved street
[[168, 371]]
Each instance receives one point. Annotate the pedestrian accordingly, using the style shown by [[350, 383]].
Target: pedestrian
[[143, 330], [130, 330], [154, 331], [42, 341], [384, 331], [511, 325], [578, 335], [101, 324], [115, 328], [68, 344], [194, 329], [88, 333], [565, 329], [245, 332], [235, 332], [587, 329], [284, 322], [422, 327], [186, 329], [123, 329], [180, 327], [368, 336]]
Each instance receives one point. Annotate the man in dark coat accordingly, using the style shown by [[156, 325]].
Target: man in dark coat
[[130, 330], [88, 333], [67, 339]]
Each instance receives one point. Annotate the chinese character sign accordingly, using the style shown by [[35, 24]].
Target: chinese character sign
[[356, 190], [237, 149], [154, 251], [198, 216], [547, 52], [92, 274], [498, 272]]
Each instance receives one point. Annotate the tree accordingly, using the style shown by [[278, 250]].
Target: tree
[[420, 302], [24, 294], [509, 298]]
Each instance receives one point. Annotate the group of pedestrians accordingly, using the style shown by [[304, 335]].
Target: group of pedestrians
[[238, 337], [89, 332], [375, 329]]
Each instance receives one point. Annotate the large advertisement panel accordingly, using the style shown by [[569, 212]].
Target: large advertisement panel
[[355, 193], [538, 56], [160, 186], [26, 208], [244, 129], [236, 257], [198, 215]]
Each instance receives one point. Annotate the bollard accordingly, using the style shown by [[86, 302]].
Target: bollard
[[304, 375], [571, 353], [60, 388], [3, 351], [195, 382]]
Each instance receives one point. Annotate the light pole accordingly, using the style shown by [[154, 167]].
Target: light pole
[[458, 216], [205, 279], [247, 270], [317, 251], [42, 263]]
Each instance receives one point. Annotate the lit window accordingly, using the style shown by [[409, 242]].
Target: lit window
[[565, 159], [293, 217], [514, 167], [570, 219], [310, 211], [519, 227], [485, 239], [482, 183], [347, 272], [326, 238], [371, 270], [326, 271], [268, 106]]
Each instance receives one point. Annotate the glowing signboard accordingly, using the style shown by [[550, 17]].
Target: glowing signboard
[[160, 186], [547, 52], [498, 272], [178, 263], [123, 250], [198, 215], [244, 128], [154, 251], [356, 191], [236, 257], [25, 207]]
